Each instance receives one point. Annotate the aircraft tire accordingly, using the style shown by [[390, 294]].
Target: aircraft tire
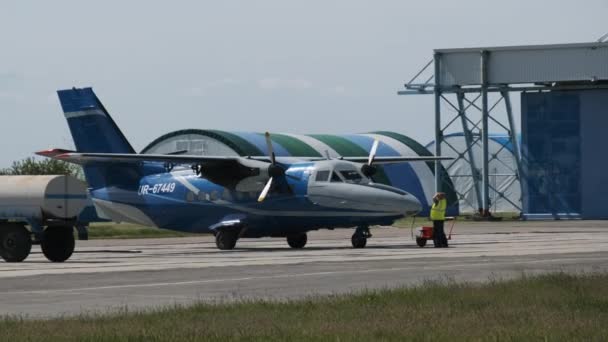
[[297, 241], [58, 243], [226, 240], [15, 242], [358, 241]]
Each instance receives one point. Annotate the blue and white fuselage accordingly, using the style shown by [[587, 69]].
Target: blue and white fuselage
[[182, 200], [228, 196]]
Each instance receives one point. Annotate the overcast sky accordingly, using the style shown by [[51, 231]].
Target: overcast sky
[[284, 66]]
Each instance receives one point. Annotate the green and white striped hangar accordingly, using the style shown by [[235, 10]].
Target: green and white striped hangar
[[416, 178]]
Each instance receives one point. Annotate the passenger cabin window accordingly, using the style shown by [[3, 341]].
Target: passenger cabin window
[[226, 195], [335, 177], [190, 196], [214, 195], [351, 176], [322, 176]]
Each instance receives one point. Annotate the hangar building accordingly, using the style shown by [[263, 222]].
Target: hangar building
[[564, 117], [416, 178]]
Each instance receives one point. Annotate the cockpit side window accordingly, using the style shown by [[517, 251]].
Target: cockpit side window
[[351, 176], [322, 176], [335, 177]]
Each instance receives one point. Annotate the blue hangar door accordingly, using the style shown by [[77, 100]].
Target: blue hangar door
[[551, 152]]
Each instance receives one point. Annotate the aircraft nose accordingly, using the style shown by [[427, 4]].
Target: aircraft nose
[[410, 205], [407, 205], [398, 201]]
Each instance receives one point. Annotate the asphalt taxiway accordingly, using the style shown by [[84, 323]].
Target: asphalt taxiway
[[109, 275]]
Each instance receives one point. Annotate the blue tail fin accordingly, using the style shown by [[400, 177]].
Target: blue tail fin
[[92, 128], [94, 131]]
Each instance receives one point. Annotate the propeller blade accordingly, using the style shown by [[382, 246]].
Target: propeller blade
[[372, 152], [265, 191], [270, 149]]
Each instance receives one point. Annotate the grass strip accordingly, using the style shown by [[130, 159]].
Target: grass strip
[[129, 231], [552, 307]]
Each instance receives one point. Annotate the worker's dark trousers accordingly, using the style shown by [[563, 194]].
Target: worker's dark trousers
[[439, 238]]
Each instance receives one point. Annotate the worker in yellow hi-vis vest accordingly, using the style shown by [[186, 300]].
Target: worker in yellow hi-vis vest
[[438, 217]]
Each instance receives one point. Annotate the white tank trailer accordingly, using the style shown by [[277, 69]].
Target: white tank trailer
[[39, 209]]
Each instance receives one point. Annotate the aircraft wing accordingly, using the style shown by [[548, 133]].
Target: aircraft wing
[[83, 158], [393, 160], [377, 160], [184, 159], [227, 171]]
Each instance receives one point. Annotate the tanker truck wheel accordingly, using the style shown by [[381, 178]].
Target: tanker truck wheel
[[15, 242], [58, 243]]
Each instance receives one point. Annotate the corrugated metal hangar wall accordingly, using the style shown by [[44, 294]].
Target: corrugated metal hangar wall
[[506, 188], [416, 178]]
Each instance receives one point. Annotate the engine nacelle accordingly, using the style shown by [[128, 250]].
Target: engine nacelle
[[368, 170]]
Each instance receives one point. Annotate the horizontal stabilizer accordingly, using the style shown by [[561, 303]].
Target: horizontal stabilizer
[[53, 152]]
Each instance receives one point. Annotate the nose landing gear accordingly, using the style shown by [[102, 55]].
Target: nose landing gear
[[359, 238], [226, 239]]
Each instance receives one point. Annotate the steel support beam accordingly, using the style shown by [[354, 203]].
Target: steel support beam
[[438, 131], [494, 89], [469, 141], [484, 135], [514, 140]]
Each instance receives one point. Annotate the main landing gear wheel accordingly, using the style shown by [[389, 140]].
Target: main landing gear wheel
[[359, 238], [58, 243], [226, 239], [358, 241], [297, 241], [15, 242]]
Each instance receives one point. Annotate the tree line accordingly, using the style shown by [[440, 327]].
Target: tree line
[[33, 166]]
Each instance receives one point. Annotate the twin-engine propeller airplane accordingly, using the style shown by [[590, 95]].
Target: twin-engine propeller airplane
[[231, 197]]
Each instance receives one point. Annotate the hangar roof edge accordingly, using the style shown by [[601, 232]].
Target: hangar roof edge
[[525, 47]]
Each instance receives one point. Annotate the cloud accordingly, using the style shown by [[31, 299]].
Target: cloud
[[225, 82], [9, 82], [51, 99], [339, 89], [205, 88], [270, 83], [9, 96], [8, 77], [278, 83]]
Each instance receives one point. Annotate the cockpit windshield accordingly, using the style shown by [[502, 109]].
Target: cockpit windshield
[[351, 176], [340, 174], [335, 178]]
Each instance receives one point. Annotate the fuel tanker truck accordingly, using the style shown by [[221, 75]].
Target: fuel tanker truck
[[39, 210]]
